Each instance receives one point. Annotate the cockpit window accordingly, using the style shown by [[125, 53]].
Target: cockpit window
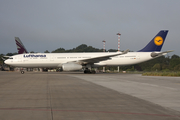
[[11, 58]]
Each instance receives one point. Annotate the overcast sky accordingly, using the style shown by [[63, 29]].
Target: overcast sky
[[50, 24]]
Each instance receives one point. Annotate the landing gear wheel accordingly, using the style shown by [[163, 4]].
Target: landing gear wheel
[[22, 72], [87, 71]]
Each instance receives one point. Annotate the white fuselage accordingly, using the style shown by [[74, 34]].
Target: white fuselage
[[57, 59]]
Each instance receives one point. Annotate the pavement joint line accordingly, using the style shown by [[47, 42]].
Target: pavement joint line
[[84, 111], [148, 84], [49, 94]]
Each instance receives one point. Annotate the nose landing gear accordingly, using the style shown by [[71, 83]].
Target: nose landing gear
[[22, 71]]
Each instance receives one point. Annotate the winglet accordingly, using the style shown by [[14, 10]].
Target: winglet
[[125, 52]]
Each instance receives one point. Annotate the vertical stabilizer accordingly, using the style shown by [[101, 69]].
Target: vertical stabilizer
[[20, 47], [156, 43]]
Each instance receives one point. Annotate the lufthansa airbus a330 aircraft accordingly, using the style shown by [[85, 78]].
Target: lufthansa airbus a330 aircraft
[[78, 61]]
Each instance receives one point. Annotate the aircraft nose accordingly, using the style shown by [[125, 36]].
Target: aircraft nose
[[6, 61]]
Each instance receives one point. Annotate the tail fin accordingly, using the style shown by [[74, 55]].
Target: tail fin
[[156, 43], [20, 47]]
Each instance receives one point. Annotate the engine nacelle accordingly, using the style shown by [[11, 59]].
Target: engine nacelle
[[71, 67]]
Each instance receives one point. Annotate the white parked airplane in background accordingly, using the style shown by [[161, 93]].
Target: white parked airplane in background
[[20, 47], [77, 61]]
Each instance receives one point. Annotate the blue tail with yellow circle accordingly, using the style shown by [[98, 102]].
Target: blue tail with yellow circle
[[156, 43]]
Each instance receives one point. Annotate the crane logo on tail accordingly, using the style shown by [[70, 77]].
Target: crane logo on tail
[[158, 40]]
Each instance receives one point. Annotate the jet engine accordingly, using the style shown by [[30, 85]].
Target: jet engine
[[71, 67]]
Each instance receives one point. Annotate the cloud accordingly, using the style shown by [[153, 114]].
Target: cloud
[[49, 25]]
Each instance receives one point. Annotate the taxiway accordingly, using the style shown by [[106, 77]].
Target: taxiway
[[78, 96]]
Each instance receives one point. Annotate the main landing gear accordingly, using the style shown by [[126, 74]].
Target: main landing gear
[[87, 71]]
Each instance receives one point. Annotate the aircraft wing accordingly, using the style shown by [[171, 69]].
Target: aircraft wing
[[5, 57], [101, 58]]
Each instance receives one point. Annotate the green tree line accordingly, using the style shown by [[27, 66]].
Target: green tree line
[[163, 63]]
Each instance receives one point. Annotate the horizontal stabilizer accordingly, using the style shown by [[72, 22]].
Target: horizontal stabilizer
[[154, 54]]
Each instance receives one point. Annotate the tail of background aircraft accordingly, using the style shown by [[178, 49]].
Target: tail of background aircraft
[[156, 43], [20, 47]]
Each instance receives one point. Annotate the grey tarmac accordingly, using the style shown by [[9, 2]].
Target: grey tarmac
[[76, 96]]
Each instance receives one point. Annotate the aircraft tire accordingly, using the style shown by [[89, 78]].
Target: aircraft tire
[[87, 71]]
